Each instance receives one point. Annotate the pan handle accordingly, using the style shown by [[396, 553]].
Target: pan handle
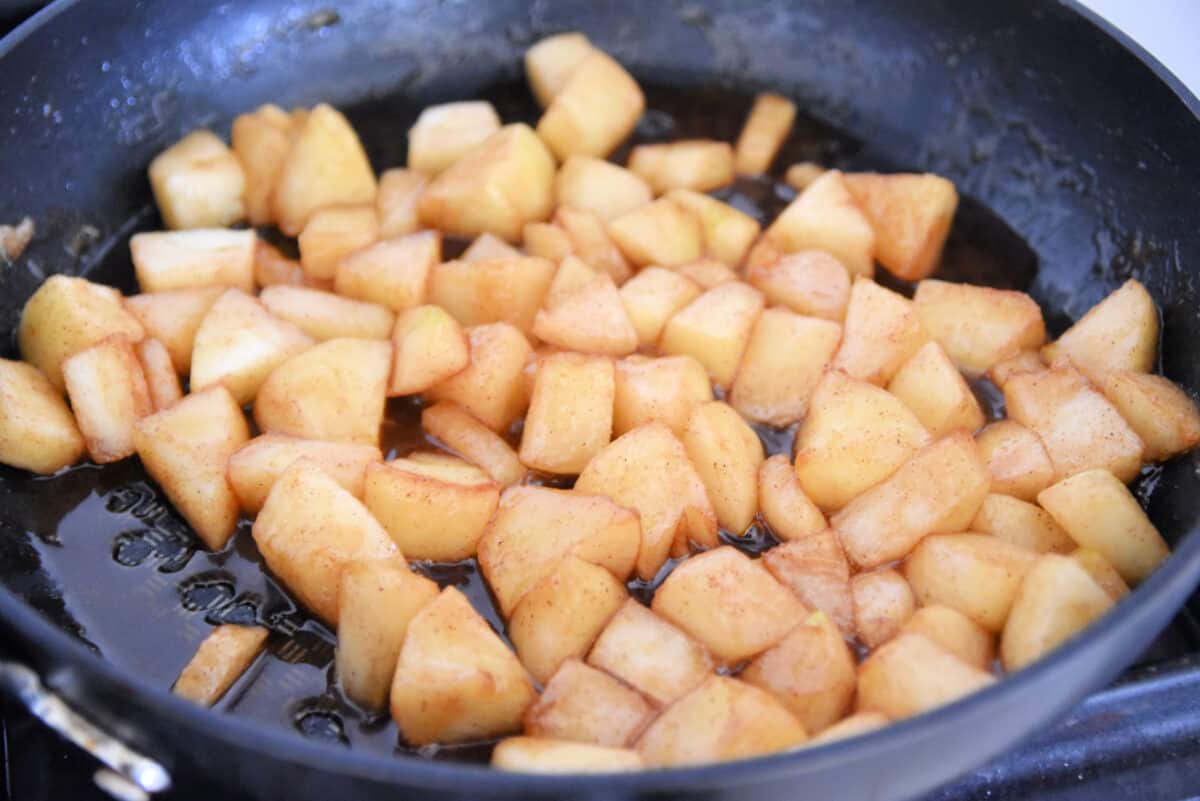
[[129, 774]]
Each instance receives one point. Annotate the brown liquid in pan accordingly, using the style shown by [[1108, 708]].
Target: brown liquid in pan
[[106, 557]]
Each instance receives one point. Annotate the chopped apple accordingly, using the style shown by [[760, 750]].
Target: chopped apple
[[507, 290], [912, 674], [488, 246], [226, 653], [601, 187], [800, 175], [591, 242], [652, 297], [852, 725], [882, 331], [1118, 333], [788, 512], [955, 632], [595, 109], [977, 325], [1021, 523], [814, 568], [1102, 571], [825, 217], [532, 755], [1162, 414], [443, 133], [590, 319], [261, 140], [257, 465], [332, 233], [491, 386], [428, 346], [911, 214], [932, 387], [767, 126], [883, 603], [664, 389], [726, 454], [324, 315], [550, 62], [272, 268], [186, 259], [1023, 361], [583, 704], [570, 413], [662, 233], [198, 183], [809, 282], [1016, 459], [472, 440], [108, 394], [707, 273], [715, 329], [392, 273], [547, 241], [37, 431], [396, 203], [700, 165], [173, 317]]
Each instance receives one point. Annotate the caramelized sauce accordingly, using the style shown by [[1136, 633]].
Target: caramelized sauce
[[107, 558]]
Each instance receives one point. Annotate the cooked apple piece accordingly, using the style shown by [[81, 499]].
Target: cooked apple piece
[[310, 529], [491, 386], [442, 134], [809, 282], [173, 317], [239, 343], [591, 242], [1079, 428], [66, 315], [781, 501], [534, 528], [394, 273], [932, 387], [911, 674], [432, 511], [161, 378], [456, 680], [1099, 512], [324, 315], [497, 186], [854, 436], [728, 602], [326, 166], [37, 431], [883, 603], [1016, 459], [726, 454], [570, 414], [652, 297], [590, 319], [648, 470], [715, 328], [722, 719], [800, 175], [662, 233], [977, 325], [187, 259], [700, 165], [488, 246], [707, 273], [261, 140], [1118, 333], [563, 614], [507, 290], [572, 275], [911, 214], [601, 187], [377, 599], [767, 126], [881, 332], [428, 346], [256, 466], [332, 391], [396, 203], [550, 62], [664, 389], [811, 670], [475, 442], [1023, 361], [955, 632], [583, 704], [853, 725], [1021, 523], [594, 110], [1161, 413], [825, 217], [939, 489], [546, 241], [332, 233], [977, 574], [534, 755], [198, 183], [1056, 601], [108, 394], [186, 449], [1102, 571], [226, 653], [784, 361], [814, 568], [272, 268], [650, 654]]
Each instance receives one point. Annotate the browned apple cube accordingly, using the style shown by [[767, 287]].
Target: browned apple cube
[[533, 755], [570, 413], [37, 431], [428, 346], [595, 109], [767, 126], [911, 214], [814, 568], [1161, 413], [491, 386], [882, 331], [166, 260], [589, 319], [1023, 361], [715, 329], [489, 246], [332, 233], [700, 165], [173, 317], [955, 632], [726, 454], [883, 603], [256, 466], [852, 725], [826, 217], [261, 140], [912, 674], [652, 297], [198, 183], [787, 511], [662, 233], [226, 653], [161, 380], [977, 325], [442, 134], [460, 432], [583, 704], [664, 389], [324, 315], [546, 241], [932, 387], [601, 187], [1118, 333], [551, 61], [977, 574], [707, 273], [1021, 523], [809, 282], [591, 242], [1102, 571], [108, 394], [396, 203], [1016, 459], [507, 290]]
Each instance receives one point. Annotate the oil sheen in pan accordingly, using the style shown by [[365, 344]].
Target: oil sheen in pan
[[107, 558]]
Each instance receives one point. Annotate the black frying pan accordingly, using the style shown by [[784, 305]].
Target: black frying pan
[[1078, 158]]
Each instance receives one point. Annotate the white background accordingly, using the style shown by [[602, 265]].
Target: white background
[[1169, 29]]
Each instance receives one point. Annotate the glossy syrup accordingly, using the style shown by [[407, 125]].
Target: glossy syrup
[[107, 558]]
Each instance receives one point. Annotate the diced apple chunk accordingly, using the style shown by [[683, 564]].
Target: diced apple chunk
[[491, 386], [572, 275], [911, 214], [762, 135], [186, 449], [261, 140], [715, 329], [595, 109], [550, 62], [108, 394], [1102, 571], [488, 246], [443, 133], [1099, 512], [256, 466], [326, 166], [826, 217], [707, 273], [187, 259], [198, 183], [161, 378], [507, 290], [809, 282], [881, 332], [1021, 523], [66, 315], [662, 233], [1118, 333], [814, 568], [532, 755], [1016, 459], [977, 574], [173, 317], [700, 165], [432, 511], [955, 632], [497, 186], [570, 413], [883, 603], [547, 241], [912, 674], [37, 431], [1161, 413], [324, 315], [590, 319], [786, 509], [606, 189], [333, 391], [456, 680], [428, 346], [332, 233], [396, 203], [726, 454], [651, 655], [663, 389], [648, 470], [590, 241], [652, 297], [977, 325], [783, 362], [583, 704], [1023, 361], [226, 653], [932, 387], [472, 440], [392, 273], [853, 725]]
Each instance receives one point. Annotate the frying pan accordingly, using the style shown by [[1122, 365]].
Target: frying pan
[[1077, 157]]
